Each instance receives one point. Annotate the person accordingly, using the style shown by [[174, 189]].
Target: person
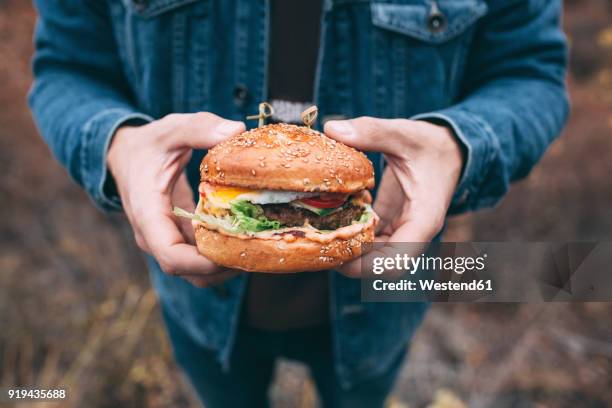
[[451, 100]]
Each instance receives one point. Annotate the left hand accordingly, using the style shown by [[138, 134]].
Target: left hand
[[424, 166]]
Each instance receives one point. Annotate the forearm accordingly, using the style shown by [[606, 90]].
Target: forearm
[[514, 102], [77, 117], [80, 95], [504, 137]]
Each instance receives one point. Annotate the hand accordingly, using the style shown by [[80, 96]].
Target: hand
[[424, 163], [147, 163]]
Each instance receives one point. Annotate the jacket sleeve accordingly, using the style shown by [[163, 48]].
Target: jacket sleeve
[[80, 95], [513, 101]]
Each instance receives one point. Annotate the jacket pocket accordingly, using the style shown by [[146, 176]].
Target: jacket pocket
[[166, 45], [420, 49], [432, 21], [153, 8]]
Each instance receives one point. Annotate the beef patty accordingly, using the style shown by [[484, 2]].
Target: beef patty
[[290, 216]]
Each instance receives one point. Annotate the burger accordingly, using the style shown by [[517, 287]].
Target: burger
[[283, 198]]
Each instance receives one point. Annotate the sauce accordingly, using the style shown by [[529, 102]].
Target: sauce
[[309, 233]]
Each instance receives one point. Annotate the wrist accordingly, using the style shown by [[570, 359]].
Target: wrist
[[116, 146], [449, 145]]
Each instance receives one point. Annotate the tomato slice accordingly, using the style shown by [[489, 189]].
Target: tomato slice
[[325, 202]]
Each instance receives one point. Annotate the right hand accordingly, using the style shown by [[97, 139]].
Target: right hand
[[147, 163]]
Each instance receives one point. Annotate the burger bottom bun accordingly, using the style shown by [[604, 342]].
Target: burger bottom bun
[[279, 256]]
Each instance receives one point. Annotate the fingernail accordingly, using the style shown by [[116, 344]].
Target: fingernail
[[340, 127], [230, 127]]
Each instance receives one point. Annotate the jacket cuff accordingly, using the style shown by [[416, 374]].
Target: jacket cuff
[[478, 141], [97, 134]]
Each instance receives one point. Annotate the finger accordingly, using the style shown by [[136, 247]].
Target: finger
[[201, 130], [141, 242], [354, 269], [421, 224], [387, 204], [138, 237], [167, 244], [369, 134], [182, 197], [411, 238]]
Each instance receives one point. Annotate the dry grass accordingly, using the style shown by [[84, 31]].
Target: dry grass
[[76, 309]]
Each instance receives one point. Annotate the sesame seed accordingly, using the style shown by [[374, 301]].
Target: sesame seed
[[253, 172]]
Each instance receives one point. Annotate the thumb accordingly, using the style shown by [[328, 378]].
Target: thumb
[[182, 196], [366, 133], [203, 130]]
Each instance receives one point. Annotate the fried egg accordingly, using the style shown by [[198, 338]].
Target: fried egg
[[222, 196]]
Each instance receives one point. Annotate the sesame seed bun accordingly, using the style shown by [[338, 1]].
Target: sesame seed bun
[[300, 254], [287, 157]]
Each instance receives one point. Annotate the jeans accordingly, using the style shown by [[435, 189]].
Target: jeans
[[252, 367]]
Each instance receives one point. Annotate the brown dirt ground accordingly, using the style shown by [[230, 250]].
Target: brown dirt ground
[[76, 309]]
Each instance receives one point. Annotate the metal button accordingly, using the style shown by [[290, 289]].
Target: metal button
[[436, 21], [241, 95]]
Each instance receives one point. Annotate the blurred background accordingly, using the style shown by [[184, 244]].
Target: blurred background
[[77, 311]]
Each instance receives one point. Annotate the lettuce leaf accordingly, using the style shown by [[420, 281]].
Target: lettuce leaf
[[246, 217], [249, 217], [366, 215], [224, 223]]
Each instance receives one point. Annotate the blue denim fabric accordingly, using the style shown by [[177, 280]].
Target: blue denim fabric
[[493, 71]]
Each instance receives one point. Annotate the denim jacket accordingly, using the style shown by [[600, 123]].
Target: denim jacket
[[493, 71]]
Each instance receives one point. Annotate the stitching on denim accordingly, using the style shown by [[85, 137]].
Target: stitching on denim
[[130, 47], [457, 65], [161, 6], [398, 68], [87, 152], [263, 41], [202, 60], [241, 46], [457, 26], [178, 64]]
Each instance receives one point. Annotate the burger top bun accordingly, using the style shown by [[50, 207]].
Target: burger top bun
[[287, 157]]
